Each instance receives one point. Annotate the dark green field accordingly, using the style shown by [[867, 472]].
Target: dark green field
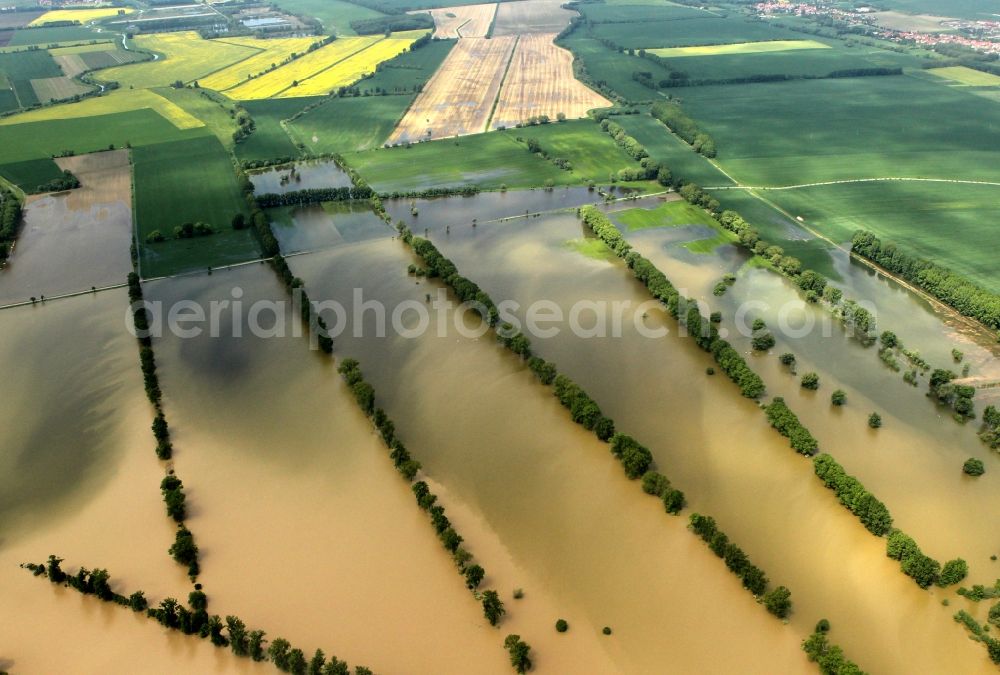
[[268, 139], [350, 124], [665, 148], [951, 224], [21, 67], [188, 181], [46, 36], [30, 173], [708, 31], [841, 129], [608, 67], [87, 134], [408, 72], [599, 12], [336, 15], [8, 101]]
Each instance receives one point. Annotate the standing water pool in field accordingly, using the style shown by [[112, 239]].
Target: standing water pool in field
[[300, 176]]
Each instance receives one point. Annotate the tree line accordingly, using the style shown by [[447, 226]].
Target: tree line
[[194, 619], [10, 221], [777, 601], [829, 657], [979, 633], [947, 286], [670, 113], [635, 458], [473, 573], [651, 169], [65, 181], [684, 310], [313, 195], [788, 425], [184, 550], [872, 513]]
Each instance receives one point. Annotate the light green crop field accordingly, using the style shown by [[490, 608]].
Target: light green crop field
[[593, 153], [188, 181], [969, 76], [648, 30], [409, 71], [607, 65], [792, 133], [675, 213], [485, 160], [952, 224], [740, 48], [684, 163], [350, 124]]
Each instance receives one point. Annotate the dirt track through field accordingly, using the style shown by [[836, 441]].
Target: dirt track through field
[[467, 21], [459, 98], [540, 82]]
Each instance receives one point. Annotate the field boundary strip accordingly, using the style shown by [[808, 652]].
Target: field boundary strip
[[854, 180], [503, 80]]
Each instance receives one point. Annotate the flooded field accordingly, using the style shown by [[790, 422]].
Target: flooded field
[[318, 226], [305, 527], [581, 536], [80, 480], [300, 176], [718, 448], [71, 241]]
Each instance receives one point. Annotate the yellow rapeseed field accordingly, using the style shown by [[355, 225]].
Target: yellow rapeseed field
[[272, 52], [739, 48], [117, 101], [350, 70], [276, 81], [185, 57], [81, 15]]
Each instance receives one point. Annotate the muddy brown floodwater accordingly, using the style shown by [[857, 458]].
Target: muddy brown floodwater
[[584, 543], [306, 530], [71, 241], [718, 448], [80, 480]]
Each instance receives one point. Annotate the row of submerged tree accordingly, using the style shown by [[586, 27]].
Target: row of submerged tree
[[947, 286], [184, 549], [194, 619], [635, 458], [872, 513]]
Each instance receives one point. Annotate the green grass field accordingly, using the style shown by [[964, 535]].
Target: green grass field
[[675, 213], [950, 224], [592, 248], [188, 181], [848, 128], [683, 162], [46, 36], [650, 32], [350, 124], [31, 140], [8, 101], [408, 72], [593, 154], [640, 12], [209, 107], [30, 173], [336, 15], [968, 76], [615, 69], [269, 140], [967, 9], [485, 160]]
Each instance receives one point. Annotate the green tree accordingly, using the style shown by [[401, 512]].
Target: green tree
[[974, 467], [562, 626], [778, 601], [493, 607], [473, 576], [953, 572], [810, 381], [519, 652], [838, 398], [875, 420]]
